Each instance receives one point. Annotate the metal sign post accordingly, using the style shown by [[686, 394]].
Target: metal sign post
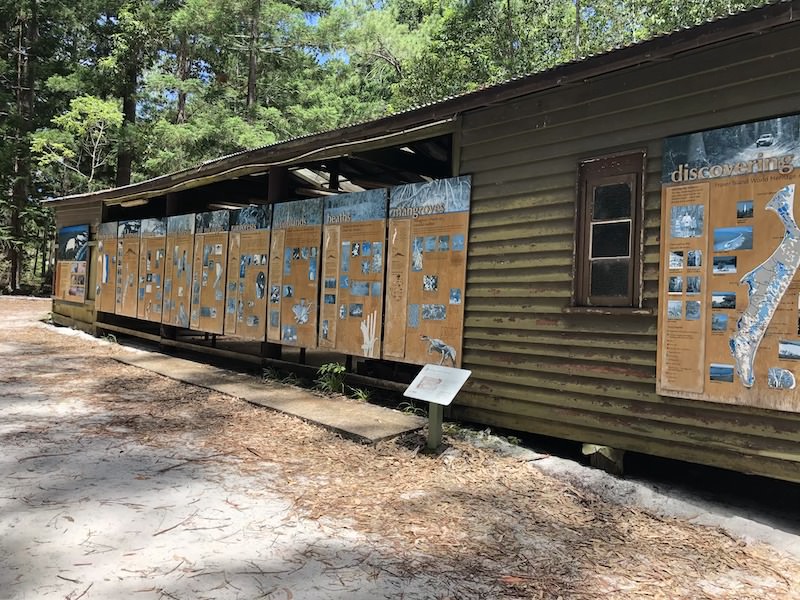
[[436, 385]]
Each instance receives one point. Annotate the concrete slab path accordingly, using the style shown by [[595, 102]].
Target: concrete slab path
[[353, 419]]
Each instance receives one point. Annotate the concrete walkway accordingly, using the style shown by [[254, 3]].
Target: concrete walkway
[[360, 421]]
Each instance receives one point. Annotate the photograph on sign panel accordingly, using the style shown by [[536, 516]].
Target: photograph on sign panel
[[721, 372]]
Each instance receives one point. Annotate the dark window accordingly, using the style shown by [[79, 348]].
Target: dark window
[[609, 233]]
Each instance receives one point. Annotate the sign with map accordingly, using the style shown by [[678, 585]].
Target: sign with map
[[106, 280], [353, 251], [294, 273], [152, 250], [178, 270], [248, 257], [127, 267], [71, 258], [426, 271], [208, 273], [729, 318]]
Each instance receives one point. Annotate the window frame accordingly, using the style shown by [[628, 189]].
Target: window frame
[[623, 167]]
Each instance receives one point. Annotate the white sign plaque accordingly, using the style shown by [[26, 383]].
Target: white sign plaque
[[437, 384]]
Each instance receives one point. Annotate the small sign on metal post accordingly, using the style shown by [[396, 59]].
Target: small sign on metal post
[[437, 385]]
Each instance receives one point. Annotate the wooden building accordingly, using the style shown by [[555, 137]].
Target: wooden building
[[560, 342]]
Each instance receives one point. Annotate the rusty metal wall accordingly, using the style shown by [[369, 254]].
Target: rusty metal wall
[[586, 377]]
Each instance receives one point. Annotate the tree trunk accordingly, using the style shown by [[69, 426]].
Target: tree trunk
[[25, 105], [125, 152], [577, 29], [183, 75], [253, 58]]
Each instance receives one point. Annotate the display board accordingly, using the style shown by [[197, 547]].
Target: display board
[[106, 279], [71, 257], [729, 324], [353, 250], [127, 267], [152, 251], [209, 272], [178, 270], [293, 273], [426, 271], [248, 258]]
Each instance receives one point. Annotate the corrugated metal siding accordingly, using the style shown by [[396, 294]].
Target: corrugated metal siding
[[585, 377]]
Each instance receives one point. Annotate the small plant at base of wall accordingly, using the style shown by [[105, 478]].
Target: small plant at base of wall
[[330, 378]]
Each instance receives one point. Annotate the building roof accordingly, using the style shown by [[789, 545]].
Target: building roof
[[440, 117]]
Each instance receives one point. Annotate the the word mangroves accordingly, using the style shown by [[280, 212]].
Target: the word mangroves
[[426, 271]]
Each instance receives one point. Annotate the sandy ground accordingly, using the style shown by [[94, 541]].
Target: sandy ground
[[119, 483]]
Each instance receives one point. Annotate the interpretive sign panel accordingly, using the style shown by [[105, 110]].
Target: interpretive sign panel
[[127, 267], [729, 324], [437, 384], [248, 255], [106, 281], [152, 250], [294, 273], [72, 254], [178, 270], [208, 274], [353, 250], [426, 271]]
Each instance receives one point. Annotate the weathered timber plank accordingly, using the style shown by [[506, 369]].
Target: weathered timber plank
[[633, 325], [577, 353], [566, 338], [524, 365], [786, 470]]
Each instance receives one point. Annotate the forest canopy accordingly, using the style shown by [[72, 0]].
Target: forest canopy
[[96, 94]]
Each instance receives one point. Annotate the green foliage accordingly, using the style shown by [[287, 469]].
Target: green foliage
[[198, 79], [330, 378], [361, 394], [77, 152], [411, 408]]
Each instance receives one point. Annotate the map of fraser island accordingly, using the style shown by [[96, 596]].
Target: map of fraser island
[[729, 272], [766, 286]]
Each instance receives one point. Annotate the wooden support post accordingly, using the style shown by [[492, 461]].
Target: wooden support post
[[269, 350], [434, 425], [302, 356], [213, 340], [610, 460], [278, 185], [348, 363]]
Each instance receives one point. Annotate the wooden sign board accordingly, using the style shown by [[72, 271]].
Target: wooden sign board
[[729, 316], [178, 270], [248, 263], [353, 251], [72, 255], [294, 273], [152, 251], [209, 272], [426, 272], [127, 267], [106, 280]]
